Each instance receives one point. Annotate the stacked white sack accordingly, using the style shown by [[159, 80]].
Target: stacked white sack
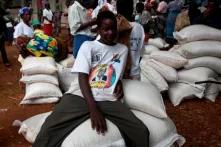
[[212, 91], [201, 45], [197, 32], [146, 104], [148, 49], [159, 68], [186, 87], [158, 42], [154, 44], [150, 75], [68, 62], [199, 49], [157, 73], [40, 77], [65, 77], [171, 59]]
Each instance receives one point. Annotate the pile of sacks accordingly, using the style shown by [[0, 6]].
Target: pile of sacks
[[40, 77], [196, 59], [159, 67], [146, 103], [45, 79], [142, 98]]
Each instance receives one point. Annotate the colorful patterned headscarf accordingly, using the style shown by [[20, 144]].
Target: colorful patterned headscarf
[[24, 10]]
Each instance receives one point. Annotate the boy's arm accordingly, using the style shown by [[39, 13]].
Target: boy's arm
[[118, 91], [86, 25], [97, 119], [44, 17]]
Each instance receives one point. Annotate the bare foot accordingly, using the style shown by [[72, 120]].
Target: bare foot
[[7, 64]]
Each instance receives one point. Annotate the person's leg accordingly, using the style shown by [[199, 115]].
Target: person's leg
[[48, 29], [134, 132], [3, 52], [78, 40], [71, 111]]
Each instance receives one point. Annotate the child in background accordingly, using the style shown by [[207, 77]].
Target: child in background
[[100, 65], [136, 39]]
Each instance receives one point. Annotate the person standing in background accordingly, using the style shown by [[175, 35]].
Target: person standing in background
[[174, 8], [2, 38], [39, 9], [80, 24], [47, 20], [139, 11], [9, 27], [136, 39], [57, 17], [23, 30]]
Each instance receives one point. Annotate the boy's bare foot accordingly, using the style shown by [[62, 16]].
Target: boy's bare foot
[[7, 64]]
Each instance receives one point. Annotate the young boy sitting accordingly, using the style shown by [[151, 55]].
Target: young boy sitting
[[100, 66]]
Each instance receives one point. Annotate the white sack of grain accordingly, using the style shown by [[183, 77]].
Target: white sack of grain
[[149, 73], [199, 49], [197, 32], [158, 42], [207, 61], [144, 97], [38, 65], [171, 59], [163, 132], [180, 91]]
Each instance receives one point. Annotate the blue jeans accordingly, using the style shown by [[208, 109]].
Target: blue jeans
[[78, 40]]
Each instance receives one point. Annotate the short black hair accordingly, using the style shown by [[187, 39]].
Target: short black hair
[[105, 15], [139, 7], [125, 8]]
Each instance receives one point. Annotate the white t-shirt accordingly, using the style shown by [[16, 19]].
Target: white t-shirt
[[136, 46], [48, 14], [77, 15], [23, 29], [104, 64], [97, 9]]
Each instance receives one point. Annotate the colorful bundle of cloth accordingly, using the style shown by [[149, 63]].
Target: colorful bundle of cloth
[[42, 45]]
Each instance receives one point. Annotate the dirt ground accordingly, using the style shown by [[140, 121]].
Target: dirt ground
[[198, 120]]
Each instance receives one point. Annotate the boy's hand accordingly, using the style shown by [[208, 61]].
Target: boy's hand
[[118, 91], [98, 121]]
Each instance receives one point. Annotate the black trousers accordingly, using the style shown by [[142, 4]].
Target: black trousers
[[72, 110], [2, 49]]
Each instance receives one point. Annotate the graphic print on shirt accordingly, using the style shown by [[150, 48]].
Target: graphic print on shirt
[[104, 75]]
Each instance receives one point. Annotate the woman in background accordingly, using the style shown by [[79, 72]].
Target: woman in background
[[47, 20], [23, 30], [174, 8]]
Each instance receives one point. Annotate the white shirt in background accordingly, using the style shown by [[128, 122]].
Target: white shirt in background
[[49, 15], [108, 5], [105, 66], [77, 15], [136, 45], [22, 29]]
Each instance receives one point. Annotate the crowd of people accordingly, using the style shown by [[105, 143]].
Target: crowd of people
[[108, 38], [160, 16]]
